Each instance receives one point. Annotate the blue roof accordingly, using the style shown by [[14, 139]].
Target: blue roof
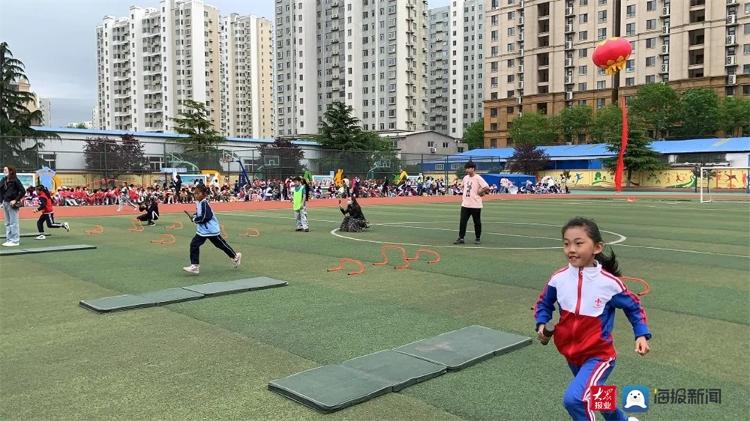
[[599, 150], [160, 135]]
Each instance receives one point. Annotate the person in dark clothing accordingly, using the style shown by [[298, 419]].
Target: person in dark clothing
[[48, 213], [151, 209], [354, 219], [11, 195]]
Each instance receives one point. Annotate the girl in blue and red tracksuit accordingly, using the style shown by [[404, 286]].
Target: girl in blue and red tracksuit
[[48, 213], [588, 291]]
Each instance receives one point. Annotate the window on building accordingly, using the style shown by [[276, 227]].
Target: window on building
[[601, 102], [630, 11], [583, 53], [650, 79], [583, 36], [651, 24], [582, 70], [601, 16], [48, 159], [630, 29], [651, 5], [650, 42], [601, 33], [601, 84], [629, 81], [155, 163], [583, 18]]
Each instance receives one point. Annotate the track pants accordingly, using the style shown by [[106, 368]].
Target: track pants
[[49, 218], [593, 372], [300, 217], [216, 240], [476, 216]]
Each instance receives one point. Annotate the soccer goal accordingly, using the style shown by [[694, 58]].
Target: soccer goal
[[712, 179]]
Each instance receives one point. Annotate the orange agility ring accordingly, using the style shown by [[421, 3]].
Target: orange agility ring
[[645, 287], [177, 225], [384, 253], [135, 226], [345, 260], [252, 232], [165, 240], [420, 251], [98, 229]]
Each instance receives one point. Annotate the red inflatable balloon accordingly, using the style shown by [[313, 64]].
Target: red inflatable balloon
[[611, 54]]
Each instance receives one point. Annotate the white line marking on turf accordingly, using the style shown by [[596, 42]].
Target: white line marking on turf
[[686, 251]]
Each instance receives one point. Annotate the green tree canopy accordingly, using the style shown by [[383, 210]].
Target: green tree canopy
[[20, 143], [532, 128], [202, 139], [574, 122], [658, 106], [474, 135], [112, 158], [699, 113], [734, 116]]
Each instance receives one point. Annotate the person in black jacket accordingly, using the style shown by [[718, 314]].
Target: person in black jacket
[[151, 209], [11, 193], [354, 219]]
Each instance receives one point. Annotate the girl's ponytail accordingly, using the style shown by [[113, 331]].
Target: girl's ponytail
[[608, 262]]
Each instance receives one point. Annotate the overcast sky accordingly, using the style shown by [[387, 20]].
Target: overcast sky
[[56, 40]]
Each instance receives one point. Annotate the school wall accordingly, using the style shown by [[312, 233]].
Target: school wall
[[673, 178]]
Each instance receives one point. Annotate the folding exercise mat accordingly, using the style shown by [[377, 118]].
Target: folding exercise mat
[[12, 251], [177, 295], [231, 287], [333, 387], [464, 347]]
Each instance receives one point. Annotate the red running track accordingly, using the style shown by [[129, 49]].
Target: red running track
[[111, 210]]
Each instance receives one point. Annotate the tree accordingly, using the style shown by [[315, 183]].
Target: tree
[[532, 128], [658, 106], [527, 159], [287, 155], [345, 145], [574, 122], [113, 159], [607, 125], [20, 143], [699, 113], [638, 155], [474, 135], [734, 116], [202, 137]]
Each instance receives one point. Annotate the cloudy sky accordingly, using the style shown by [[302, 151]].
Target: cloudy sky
[[56, 40]]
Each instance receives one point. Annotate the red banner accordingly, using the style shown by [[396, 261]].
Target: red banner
[[623, 145]]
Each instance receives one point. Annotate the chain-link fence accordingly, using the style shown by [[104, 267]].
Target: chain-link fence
[[101, 160]]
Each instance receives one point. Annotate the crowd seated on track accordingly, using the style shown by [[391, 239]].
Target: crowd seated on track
[[260, 190]]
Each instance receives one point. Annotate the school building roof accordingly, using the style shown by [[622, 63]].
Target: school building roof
[[600, 150]]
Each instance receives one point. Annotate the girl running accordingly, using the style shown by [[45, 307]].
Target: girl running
[[588, 292], [48, 213]]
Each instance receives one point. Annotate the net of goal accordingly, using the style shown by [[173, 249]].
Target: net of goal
[[713, 181]]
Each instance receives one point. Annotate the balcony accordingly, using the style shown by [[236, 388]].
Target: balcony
[[568, 79], [568, 28], [568, 62], [568, 45], [569, 11]]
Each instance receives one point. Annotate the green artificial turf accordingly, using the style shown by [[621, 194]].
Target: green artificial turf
[[212, 359]]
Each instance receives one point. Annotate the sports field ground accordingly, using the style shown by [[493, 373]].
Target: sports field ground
[[213, 358]]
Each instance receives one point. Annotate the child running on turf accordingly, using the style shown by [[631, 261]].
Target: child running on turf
[[207, 228], [588, 292], [48, 213]]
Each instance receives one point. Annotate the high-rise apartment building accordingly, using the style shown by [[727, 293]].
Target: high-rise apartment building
[[466, 64], [247, 76], [153, 60], [438, 66], [45, 106], [539, 52], [368, 54]]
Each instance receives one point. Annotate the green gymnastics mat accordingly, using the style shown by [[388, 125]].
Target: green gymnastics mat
[[28, 234], [399, 369], [464, 347], [331, 387], [118, 302], [10, 251], [177, 295], [231, 287]]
